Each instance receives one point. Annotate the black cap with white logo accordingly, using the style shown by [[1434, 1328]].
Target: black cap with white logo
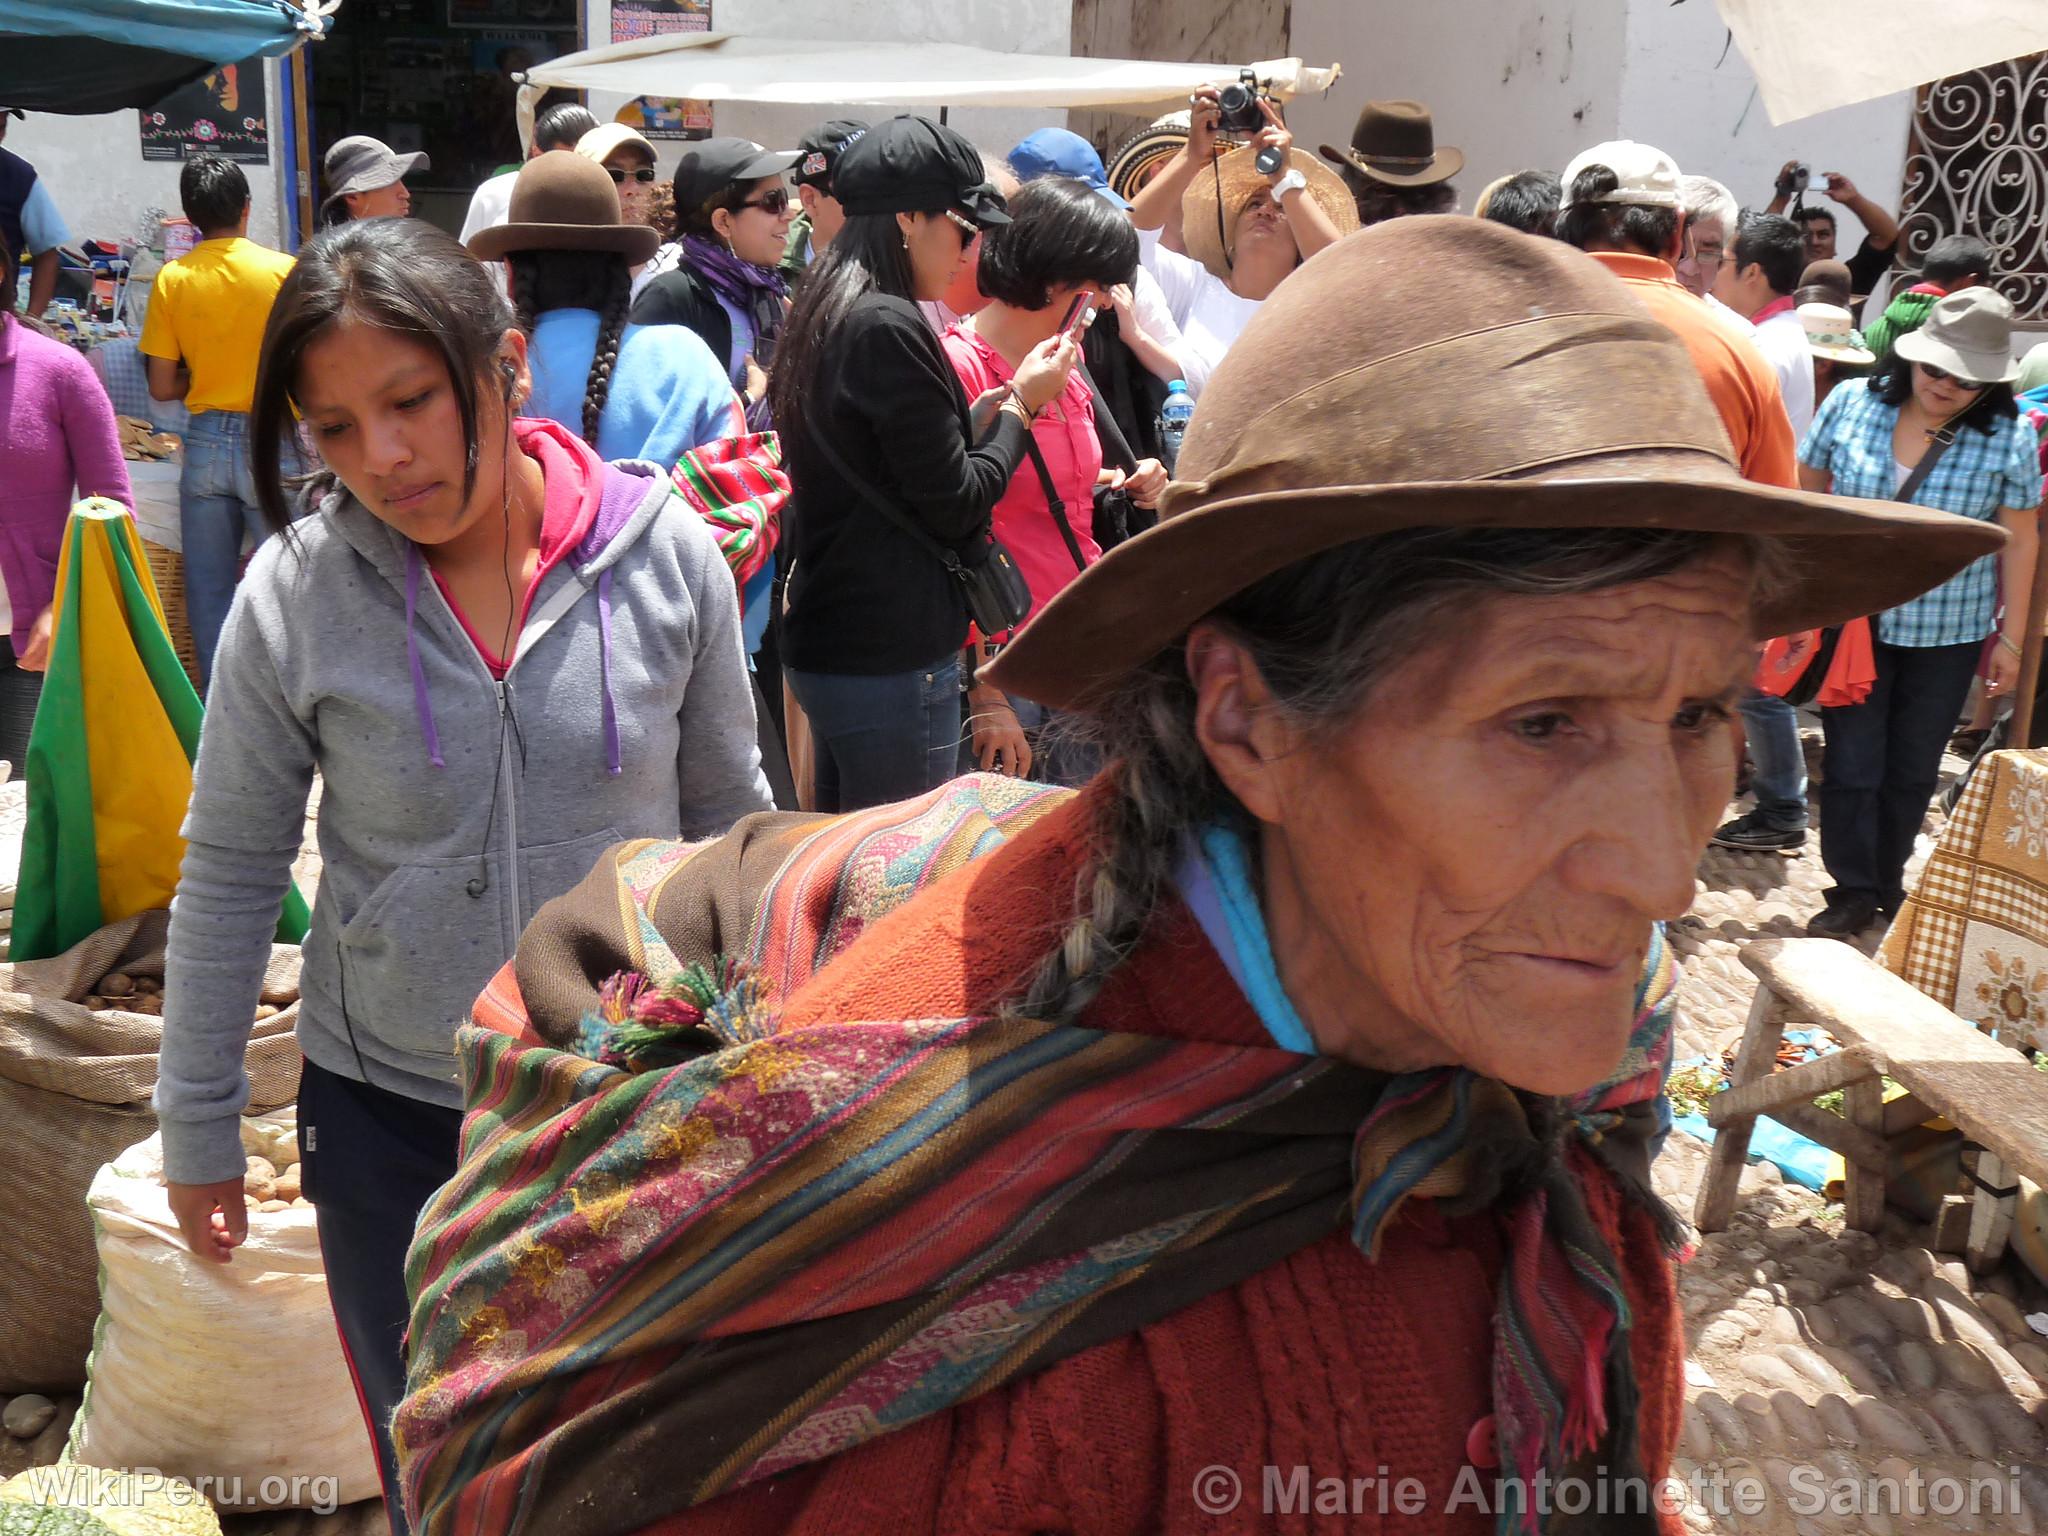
[[821, 149]]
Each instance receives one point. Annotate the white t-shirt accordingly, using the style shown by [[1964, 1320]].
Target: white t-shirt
[[1740, 322], [490, 205], [1782, 340], [1209, 315]]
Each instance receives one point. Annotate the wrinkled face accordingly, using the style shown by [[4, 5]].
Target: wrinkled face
[[1262, 225], [1467, 873], [392, 202], [385, 418], [1941, 394], [632, 172], [1706, 249]]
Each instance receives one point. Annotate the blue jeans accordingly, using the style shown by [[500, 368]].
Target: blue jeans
[[1780, 778], [1056, 757], [216, 506], [876, 740]]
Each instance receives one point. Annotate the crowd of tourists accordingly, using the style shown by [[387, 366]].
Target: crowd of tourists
[[1117, 1068]]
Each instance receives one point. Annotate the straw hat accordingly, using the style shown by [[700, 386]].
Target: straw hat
[[1831, 333], [1968, 334], [1130, 167], [564, 201], [1447, 372], [1238, 179]]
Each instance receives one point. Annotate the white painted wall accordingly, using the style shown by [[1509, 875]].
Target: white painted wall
[[95, 170], [1021, 26], [1515, 84], [1684, 90]]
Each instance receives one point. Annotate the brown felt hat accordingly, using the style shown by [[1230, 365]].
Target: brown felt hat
[[1395, 142], [564, 201], [1451, 372]]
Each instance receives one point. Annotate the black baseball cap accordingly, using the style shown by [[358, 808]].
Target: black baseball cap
[[914, 165], [820, 149], [709, 166]]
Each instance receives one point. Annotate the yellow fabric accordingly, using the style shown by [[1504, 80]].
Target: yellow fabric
[[209, 308], [141, 778]]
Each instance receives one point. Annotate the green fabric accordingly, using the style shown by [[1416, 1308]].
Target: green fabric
[[2033, 370], [1906, 313], [58, 894], [796, 249]]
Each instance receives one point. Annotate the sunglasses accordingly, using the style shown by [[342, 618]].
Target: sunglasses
[[967, 227], [1936, 375], [774, 204], [644, 175]]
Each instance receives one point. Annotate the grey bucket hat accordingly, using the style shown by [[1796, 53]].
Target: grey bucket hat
[[360, 163], [1968, 335]]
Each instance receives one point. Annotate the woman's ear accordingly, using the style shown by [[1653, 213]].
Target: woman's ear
[[514, 373], [1237, 720], [907, 222], [723, 220]]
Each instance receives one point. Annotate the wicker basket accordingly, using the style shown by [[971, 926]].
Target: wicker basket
[[167, 570]]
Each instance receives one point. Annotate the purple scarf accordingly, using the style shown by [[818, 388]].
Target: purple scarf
[[756, 292]]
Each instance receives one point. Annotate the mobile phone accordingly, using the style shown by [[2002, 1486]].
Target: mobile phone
[[1076, 318]]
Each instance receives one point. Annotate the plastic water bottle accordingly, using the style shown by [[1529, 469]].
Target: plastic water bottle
[[1174, 415]]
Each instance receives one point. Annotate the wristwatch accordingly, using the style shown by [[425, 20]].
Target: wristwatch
[[1293, 181]]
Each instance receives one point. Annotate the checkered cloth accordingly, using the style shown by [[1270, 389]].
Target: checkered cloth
[[1974, 934], [120, 367], [1851, 438]]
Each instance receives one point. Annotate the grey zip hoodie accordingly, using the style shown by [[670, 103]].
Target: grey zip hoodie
[[452, 805]]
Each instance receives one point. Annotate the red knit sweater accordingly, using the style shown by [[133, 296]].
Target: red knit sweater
[[1347, 1368]]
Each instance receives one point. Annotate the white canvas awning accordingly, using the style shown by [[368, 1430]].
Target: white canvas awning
[[725, 66], [1812, 55]]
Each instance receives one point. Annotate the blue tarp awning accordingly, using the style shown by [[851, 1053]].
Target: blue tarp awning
[[80, 56]]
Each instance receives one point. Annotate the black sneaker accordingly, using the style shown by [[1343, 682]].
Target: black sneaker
[[1752, 834], [1844, 917]]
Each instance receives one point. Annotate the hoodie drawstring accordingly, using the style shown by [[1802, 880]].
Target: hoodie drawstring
[[604, 640], [422, 705]]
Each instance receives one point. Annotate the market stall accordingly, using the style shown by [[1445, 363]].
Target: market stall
[[85, 56]]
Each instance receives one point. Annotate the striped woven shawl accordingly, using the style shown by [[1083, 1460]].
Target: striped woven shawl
[[687, 1251]]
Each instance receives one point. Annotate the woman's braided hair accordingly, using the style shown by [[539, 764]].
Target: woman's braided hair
[[599, 280], [1324, 633]]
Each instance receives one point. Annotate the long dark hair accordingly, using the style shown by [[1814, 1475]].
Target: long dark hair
[[867, 256], [1893, 384], [599, 280], [399, 275]]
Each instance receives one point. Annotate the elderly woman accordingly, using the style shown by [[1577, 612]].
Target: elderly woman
[[1243, 230], [1279, 1099]]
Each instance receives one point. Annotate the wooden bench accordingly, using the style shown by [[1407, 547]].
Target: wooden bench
[[1990, 1092]]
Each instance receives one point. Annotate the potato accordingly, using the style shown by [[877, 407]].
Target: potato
[[265, 1011], [302, 1204], [117, 985], [261, 1167], [288, 1184], [280, 997], [251, 1201], [254, 1142], [268, 1207]]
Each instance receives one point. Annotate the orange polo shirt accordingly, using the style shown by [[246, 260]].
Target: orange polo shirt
[[1742, 384]]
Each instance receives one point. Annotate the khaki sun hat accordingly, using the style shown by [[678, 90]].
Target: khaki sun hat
[[1450, 372], [1967, 334], [564, 201], [1238, 179]]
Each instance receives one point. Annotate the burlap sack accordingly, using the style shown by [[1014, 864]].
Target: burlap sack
[[75, 1092]]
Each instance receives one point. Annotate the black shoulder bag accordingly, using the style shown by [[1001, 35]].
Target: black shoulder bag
[[1053, 504], [994, 590], [1117, 517]]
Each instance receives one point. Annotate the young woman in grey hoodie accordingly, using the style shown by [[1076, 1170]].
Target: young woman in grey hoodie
[[501, 654]]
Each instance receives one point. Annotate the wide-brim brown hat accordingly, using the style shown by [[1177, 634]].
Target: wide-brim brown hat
[[1237, 178], [1395, 142], [564, 201], [1451, 372]]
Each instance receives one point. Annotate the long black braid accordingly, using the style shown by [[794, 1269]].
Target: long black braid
[[618, 298], [599, 280]]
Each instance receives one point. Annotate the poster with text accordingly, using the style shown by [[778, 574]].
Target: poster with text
[[651, 18], [222, 113], [667, 117]]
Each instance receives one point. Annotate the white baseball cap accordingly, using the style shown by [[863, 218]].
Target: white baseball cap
[[1648, 177]]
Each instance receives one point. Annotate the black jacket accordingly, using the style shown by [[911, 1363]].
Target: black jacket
[[865, 597], [683, 297]]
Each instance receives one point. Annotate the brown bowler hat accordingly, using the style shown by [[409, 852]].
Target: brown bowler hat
[[1453, 372], [1395, 142], [564, 201]]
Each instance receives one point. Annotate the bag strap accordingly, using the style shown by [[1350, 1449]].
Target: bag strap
[[1053, 504], [1937, 444], [1114, 443], [947, 557]]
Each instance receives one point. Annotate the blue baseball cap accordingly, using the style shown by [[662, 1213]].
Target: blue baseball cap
[[1057, 152]]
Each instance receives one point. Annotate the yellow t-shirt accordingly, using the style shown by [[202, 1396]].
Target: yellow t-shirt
[[209, 307]]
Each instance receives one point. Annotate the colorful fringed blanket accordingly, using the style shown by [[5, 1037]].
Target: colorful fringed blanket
[[687, 1251]]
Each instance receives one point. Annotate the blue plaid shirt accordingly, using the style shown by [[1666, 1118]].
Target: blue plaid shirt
[[1851, 438]]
